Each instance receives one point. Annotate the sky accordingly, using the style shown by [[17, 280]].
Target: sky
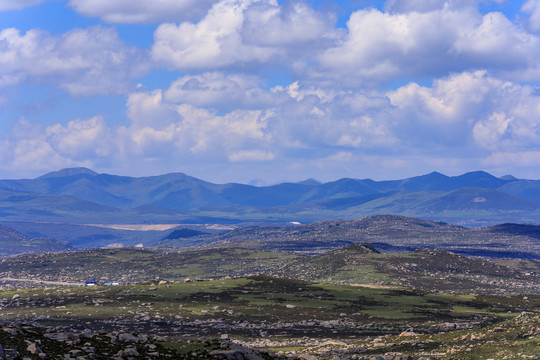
[[265, 91]]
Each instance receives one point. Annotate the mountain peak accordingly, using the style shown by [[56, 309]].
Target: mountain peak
[[310, 181], [508, 178], [68, 172], [477, 174]]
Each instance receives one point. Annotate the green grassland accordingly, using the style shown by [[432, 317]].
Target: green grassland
[[288, 309], [257, 299], [347, 301], [134, 266], [357, 264]]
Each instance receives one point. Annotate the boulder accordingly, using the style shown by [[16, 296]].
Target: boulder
[[33, 348], [129, 338], [306, 357]]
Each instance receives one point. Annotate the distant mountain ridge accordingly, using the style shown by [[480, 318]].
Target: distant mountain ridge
[[79, 193]]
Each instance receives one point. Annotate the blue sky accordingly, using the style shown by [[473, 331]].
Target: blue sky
[[267, 91]]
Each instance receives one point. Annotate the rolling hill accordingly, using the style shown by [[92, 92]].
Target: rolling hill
[[13, 242], [389, 233]]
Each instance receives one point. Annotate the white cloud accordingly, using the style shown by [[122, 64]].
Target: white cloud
[[6, 5], [31, 147], [251, 155], [188, 130], [496, 43], [204, 132], [212, 43], [142, 11], [467, 110], [404, 6], [461, 120], [532, 7], [512, 160], [81, 138], [82, 61], [148, 110], [386, 46], [220, 91], [291, 24], [37, 154], [489, 133], [240, 32]]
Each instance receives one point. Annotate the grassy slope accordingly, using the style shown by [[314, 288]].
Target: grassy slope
[[357, 264], [13, 242], [388, 232], [129, 265], [354, 315]]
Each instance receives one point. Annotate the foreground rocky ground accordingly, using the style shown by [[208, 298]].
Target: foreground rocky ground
[[518, 338], [240, 304], [264, 318]]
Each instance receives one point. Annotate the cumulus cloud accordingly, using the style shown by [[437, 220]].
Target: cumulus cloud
[[220, 91], [142, 11], [43, 148], [6, 5], [467, 111], [188, 130], [239, 32], [291, 24], [461, 120], [190, 120], [532, 7], [212, 43], [82, 61], [147, 109], [386, 46], [489, 132], [81, 139]]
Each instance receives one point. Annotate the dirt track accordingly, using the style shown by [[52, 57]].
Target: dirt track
[[44, 282]]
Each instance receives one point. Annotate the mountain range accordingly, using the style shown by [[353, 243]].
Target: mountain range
[[82, 196]]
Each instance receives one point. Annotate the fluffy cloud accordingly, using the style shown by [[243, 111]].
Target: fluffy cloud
[[386, 46], [37, 148], [220, 91], [142, 11], [291, 24], [81, 139], [191, 118], [239, 32], [82, 61], [212, 43], [467, 111], [459, 121], [6, 5], [148, 110], [185, 129], [532, 7]]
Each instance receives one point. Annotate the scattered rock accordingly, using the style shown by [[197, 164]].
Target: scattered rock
[[33, 348]]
